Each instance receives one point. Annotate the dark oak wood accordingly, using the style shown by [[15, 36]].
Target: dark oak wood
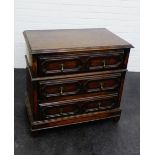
[[53, 41], [83, 62], [66, 109], [74, 76], [52, 89], [58, 122]]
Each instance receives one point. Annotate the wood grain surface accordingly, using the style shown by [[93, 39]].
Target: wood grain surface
[[43, 41]]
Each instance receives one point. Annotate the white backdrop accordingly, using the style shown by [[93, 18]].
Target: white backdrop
[[119, 16]]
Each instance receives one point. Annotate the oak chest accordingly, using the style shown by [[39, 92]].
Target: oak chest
[[74, 76]]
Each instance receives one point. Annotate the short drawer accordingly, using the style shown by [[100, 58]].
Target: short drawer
[[82, 62], [54, 90], [58, 65], [75, 108]]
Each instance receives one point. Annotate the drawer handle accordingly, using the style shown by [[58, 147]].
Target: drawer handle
[[104, 65], [61, 90], [61, 111], [99, 105], [62, 67], [101, 86]]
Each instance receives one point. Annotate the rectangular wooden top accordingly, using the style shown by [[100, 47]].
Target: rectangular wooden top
[[64, 40]]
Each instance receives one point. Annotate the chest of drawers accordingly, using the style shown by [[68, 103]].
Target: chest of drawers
[[74, 76]]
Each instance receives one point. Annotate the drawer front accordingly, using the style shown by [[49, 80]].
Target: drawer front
[[69, 109], [49, 65], [53, 90], [67, 64], [105, 61]]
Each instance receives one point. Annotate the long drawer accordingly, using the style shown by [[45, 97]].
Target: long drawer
[[77, 107], [62, 89], [49, 64]]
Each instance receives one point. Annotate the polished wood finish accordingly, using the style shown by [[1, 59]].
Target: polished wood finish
[[64, 109], [52, 89], [81, 63], [63, 121], [74, 76], [54, 41]]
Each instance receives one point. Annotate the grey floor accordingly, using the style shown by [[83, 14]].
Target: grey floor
[[95, 138]]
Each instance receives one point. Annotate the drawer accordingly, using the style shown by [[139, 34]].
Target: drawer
[[50, 65], [54, 90], [82, 62], [75, 108]]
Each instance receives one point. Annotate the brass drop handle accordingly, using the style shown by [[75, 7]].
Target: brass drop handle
[[61, 90], [104, 65], [101, 86], [61, 111], [99, 105], [62, 67]]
